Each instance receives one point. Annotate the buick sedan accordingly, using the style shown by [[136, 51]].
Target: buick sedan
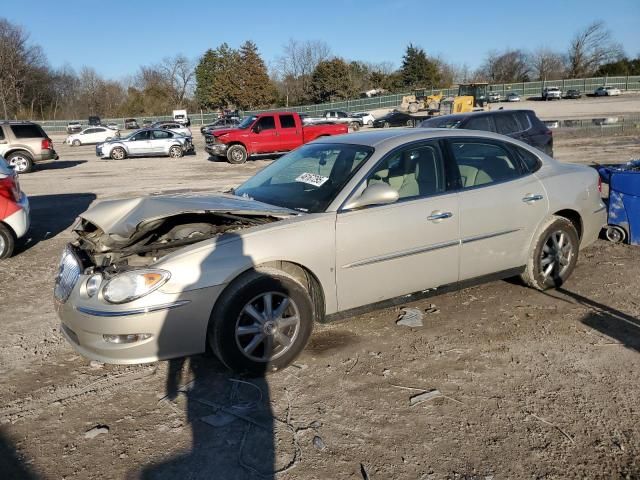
[[338, 226]]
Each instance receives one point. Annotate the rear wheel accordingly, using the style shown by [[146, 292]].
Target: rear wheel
[[21, 162], [615, 234], [370, 123], [409, 123], [7, 242], [261, 323], [237, 154], [554, 255], [118, 153], [386, 125]]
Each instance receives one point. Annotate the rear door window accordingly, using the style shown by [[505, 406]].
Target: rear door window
[[506, 124], [287, 121], [480, 123], [161, 134], [482, 163], [530, 162], [27, 131], [523, 120]]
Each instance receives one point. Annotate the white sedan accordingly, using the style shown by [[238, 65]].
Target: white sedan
[[90, 136], [606, 90], [367, 118], [174, 127]]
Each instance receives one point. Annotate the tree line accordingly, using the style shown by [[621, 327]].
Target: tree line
[[304, 72]]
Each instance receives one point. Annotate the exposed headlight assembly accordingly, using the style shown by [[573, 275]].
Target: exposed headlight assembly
[[128, 286]]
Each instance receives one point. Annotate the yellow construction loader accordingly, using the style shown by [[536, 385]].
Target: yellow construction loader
[[471, 96]]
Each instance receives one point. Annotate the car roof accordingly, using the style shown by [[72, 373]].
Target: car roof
[[391, 138], [462, 116]]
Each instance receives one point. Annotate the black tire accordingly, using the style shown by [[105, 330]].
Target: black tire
[[76, 143], [228, 313], [118, 153], [7, 241], [236, 154], [561, 267], [355, 126], [409, 123], [22, 162], [176, 152]]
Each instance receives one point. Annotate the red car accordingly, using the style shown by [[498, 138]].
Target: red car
[[267, 133], [14, 210]]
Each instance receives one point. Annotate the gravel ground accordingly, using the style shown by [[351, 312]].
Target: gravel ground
[[530, 384]]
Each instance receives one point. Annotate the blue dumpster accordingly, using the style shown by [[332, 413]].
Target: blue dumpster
[[623, 223]]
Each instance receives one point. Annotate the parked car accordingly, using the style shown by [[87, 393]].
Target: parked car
[[131, 124], [24, 144], [146, 123], [180, 116], [222, 122], [174, 127], [552, 93], [365, 117], [14, 210], [310, 238], [522, 125], [394, 119], [94, 121], [606, 90], [267, 133], [573, 94], [338, 116], [74, 127], [113, 126], [91, 136], [513, 97], [145, 142], [494, 97]]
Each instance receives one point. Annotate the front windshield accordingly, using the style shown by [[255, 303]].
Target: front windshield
[[246, 123], [307, 179]]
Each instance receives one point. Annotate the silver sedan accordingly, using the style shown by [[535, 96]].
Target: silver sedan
[[335, 227], [148, 141]]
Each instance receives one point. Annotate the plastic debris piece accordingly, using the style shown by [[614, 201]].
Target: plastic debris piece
[[432, 309], [410, 317], [424, 397], [318, 443], [95, 431]]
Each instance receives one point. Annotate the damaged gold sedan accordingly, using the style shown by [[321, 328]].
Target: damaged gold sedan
[[337, 226]]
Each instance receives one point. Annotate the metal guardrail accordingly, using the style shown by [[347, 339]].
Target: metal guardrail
[[526, 89]]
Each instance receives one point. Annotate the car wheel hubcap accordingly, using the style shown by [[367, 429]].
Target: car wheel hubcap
[[118, 154], [237, 155], [174, 152], [19, 164], [267, 327], [3, 245], [556, 256]]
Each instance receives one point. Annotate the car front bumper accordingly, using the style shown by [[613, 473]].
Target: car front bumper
[[19, 221], [216, 148], [177, 324]]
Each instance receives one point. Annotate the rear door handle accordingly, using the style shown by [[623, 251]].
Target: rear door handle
[[532, 198], [438, 215]]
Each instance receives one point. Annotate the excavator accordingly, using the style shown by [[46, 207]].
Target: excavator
[[471, 97]]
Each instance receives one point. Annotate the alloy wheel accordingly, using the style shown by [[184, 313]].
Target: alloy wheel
[[557, 253], [267, 326], [19, 163]]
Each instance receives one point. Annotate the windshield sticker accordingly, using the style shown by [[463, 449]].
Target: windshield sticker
[[312, 179]]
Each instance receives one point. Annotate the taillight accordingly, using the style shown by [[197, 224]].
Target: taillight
[[9, 188], [47, 144]]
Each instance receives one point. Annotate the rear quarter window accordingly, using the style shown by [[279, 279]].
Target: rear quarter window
[[480, 123], [506, 124], [523, 120], [27, 131], [530, 162]]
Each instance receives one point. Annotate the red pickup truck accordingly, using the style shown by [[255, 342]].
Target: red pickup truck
[[267, 133]]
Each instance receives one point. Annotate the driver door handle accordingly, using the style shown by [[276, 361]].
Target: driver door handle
[[532, 198], [438, 215]]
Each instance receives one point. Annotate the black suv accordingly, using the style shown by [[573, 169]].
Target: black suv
[[522, 125]]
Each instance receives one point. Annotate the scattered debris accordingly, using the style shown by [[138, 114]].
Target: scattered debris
[[410, 317], [552, 425], [432, 309], [386, 372], [318, 443], [424, 397], [95, 364], [364, 473], [352, 366], [95, 431]]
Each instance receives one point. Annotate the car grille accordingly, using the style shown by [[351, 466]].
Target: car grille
[[68, 275], [210, 139]]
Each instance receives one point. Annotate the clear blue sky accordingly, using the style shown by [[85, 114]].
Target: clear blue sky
[[116, 37]]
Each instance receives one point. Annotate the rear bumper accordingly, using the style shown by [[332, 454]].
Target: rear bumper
[[19, 221], [49, 154]]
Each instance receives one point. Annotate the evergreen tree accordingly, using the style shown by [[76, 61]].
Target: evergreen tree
[[417, 69], [330, 81], [217, 78], [256, 88]]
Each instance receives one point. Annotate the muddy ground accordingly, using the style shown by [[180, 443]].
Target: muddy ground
[[532, 385]]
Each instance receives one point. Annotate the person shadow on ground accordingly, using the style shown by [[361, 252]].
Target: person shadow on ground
[[230, 416]]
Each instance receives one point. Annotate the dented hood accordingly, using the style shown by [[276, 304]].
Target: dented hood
[[121, 218]]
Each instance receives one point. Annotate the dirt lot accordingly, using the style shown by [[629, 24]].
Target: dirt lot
[[533, 385]]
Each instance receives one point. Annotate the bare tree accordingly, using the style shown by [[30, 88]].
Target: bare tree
[[547, 65], [506, 67], [590, 48], [179, 73], [297, 63]]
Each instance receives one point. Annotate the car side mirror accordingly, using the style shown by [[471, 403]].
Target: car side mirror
[[376, 194]]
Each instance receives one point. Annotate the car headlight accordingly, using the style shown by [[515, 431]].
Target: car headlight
[[129, 286], [93, 284]]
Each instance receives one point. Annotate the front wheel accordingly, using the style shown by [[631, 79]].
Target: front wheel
[[237, 154], [386, 125], [7, 242], [553, 256], [176, 152], [76, 143], [261, 323], [355, 126], [118, 153]]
